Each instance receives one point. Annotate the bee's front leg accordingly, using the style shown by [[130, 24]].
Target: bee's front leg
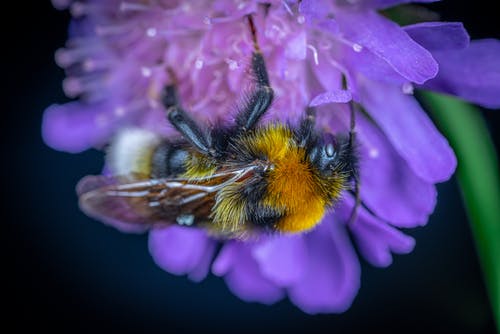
[[183, 122], [261, 97]]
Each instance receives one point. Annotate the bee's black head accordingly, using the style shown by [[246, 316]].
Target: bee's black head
[[333, 155]]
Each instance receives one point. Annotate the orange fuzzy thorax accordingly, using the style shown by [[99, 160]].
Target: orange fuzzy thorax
[[292, 184]]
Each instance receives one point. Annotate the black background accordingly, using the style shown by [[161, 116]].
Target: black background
[[67, 272]]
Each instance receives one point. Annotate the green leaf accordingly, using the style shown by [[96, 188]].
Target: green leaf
[[478, 177]]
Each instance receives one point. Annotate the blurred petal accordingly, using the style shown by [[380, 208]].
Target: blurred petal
[[296, 47], [410, 131], [439, 36], [282, 259], [472, 74], [389, 42], [182, 250], [73, 127], [334, 96], [389, 187], [375, 239], [332, 276], [242, 275]]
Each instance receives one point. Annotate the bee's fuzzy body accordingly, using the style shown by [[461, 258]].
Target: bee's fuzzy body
[[288, 194]]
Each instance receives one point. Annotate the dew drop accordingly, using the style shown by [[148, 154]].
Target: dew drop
[[146, 72], [233, 64], [198, 64], [373, 153], [151, 32], [357, 47], [407, 88], [301, 19]]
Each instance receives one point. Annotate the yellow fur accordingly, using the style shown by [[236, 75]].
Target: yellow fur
[[293, 186]]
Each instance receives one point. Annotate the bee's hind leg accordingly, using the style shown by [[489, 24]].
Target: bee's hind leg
[[182, 121], [261, 97]]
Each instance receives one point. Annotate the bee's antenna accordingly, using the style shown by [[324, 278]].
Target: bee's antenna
[[355, 174]]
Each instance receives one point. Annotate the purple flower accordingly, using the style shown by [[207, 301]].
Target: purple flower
[[116, 61]]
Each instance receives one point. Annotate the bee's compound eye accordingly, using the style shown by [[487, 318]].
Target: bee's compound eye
[[329, 150], [329, 145]]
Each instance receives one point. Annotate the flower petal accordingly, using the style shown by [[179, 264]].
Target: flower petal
[[389, 187], [74, 128], [282, 259], [410, 131], [332, 276], [242, 274], [438, 36], [182, 250], [472, 74], [333, 96], [375, 239], [390, 43]]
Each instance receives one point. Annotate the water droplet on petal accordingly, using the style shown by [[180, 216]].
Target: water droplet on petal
[[151, 32], [146, 72], [301, 19], [198, 64], [357, 47], [373, 153], [407, 88]]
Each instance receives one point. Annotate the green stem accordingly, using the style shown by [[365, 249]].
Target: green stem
[[478, 177]]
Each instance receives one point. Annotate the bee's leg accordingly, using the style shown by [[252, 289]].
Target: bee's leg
[[261, 97], [353, 163], [305, 132], [184, 123]]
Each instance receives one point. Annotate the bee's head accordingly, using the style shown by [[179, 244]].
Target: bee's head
[[334, 156]]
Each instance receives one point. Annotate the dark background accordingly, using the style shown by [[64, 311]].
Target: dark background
[[65, 271]]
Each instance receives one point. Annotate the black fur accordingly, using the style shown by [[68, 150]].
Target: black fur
[[169, 160]]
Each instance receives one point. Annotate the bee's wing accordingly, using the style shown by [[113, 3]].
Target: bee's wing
[[154, 201]]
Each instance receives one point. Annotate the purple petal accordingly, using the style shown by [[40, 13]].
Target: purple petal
[[297, 46], [375, 239], [242, 274], [439, 36], [389, 187], [182, 250], [390, 42], [332, 276], [74, 128], [410, 131], [333, 96], [282, 259], [315, 9], [472, 74], [328, 76]]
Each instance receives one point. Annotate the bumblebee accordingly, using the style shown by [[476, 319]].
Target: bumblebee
[[236, 180]]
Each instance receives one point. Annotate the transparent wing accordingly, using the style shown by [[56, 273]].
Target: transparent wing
[[154, 201]]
